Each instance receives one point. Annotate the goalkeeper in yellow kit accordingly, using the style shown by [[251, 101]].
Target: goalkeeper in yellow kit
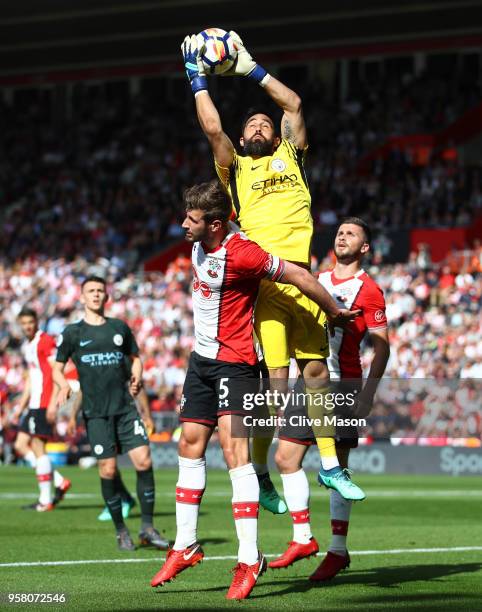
[[272, 202]]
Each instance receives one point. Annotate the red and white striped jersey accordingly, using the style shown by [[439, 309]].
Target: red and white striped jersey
[[225, 287], [359, 292], [37, 353]]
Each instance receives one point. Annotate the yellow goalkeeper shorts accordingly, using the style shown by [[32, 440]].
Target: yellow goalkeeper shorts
[[288, 324]]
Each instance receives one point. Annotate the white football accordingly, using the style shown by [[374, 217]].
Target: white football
[[218, 52]]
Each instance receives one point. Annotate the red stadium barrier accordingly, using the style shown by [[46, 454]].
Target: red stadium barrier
[[159, 262], [441, 241]]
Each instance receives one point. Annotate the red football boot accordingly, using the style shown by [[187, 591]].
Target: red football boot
[[331, 565], [245, 577], [61, 491], [176, 562], [295, 552]]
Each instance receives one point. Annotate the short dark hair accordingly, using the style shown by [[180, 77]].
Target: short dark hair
[[363, 224], [28, 312], [254, 110], [93, 278], [211, 198]]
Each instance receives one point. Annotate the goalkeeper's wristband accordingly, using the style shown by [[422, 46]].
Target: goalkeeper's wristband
[[260, 75], [199, 83]]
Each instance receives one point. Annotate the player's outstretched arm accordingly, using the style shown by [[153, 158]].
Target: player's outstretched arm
[[292, 124], [308, 284], [210, 122], [207, 113]]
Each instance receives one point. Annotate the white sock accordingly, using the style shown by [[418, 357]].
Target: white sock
[[31, 459], [297, 495], [190, 487], [340, 509], [58, 479], [44, 477], [245, 503], [328, 463]]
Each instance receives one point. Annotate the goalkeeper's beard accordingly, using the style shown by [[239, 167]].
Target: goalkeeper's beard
[[258, 148]]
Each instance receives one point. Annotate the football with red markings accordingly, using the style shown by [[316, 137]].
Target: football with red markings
[[218, 52]]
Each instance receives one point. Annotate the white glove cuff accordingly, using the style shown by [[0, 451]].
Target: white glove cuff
[[264, 81]]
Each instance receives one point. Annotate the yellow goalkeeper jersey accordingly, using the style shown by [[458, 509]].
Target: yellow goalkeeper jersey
[[272, 201]]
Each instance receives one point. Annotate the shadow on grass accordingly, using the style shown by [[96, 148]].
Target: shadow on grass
[[217, 589], [379, 577]]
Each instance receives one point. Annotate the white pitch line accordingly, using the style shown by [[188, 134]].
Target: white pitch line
[[401, 551], [375, 493], [393, 551], [427, 493], [35, 496]]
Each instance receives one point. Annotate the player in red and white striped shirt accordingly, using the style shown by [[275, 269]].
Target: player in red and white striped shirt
[[350, 286], [39, 394], [228, 269]]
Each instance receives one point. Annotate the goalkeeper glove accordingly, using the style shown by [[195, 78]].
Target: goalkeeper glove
[[244, 65], [193, 65]]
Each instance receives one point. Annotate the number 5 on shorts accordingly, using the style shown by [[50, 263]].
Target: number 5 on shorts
[[223, 401], [224, 388]]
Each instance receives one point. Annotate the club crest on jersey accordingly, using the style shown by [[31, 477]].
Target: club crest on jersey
[[214, 267], [379, 316], [118, 340], [278, 164]]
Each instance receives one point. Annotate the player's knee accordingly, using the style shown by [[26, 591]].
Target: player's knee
[[107, 470], [19, 447], [145, 463], [316, 373], [285, 462], [189, 447]]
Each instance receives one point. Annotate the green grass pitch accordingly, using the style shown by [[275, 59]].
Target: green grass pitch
[[401, 514]]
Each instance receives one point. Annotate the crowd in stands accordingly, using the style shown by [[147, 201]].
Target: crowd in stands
[[434, 375], [105, 178], [98, 188], [408, 187]]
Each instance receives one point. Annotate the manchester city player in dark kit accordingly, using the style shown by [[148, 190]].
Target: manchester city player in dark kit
[[98, 346]]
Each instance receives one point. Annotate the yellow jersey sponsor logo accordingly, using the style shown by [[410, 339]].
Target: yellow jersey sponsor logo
[[280, 182]]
